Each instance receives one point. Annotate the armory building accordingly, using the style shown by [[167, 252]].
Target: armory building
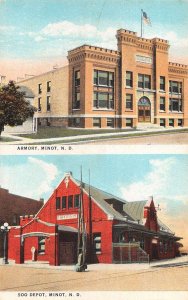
[[116, 231], [134, 86]]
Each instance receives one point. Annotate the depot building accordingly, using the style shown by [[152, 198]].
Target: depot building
[[116, 231]]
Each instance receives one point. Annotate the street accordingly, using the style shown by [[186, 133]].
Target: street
[[159, 139], [97, 278]]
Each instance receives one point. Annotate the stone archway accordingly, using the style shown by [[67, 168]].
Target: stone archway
[[144, 110]]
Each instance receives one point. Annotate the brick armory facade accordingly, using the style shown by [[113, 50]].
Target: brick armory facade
[[129, 87], [102, 88], [116, 230]]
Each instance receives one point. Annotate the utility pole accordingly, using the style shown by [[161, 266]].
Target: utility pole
[[81, 246]]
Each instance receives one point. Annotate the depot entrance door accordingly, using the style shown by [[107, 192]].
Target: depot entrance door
[[144, 110]]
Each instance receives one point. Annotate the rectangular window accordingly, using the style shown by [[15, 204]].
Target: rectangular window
[[95, 99], [48, 86], [40, 88], [144, 81], [129, 122], [180, 122], [162, 122], [111, 100], [162, 103], [41, 244], [140, 81], [76, 200], [180, 105], [129, 79], [76, 122], [103, 100], [103, 78], [76, 104], [162, 83], [111, 79], [175, 104], [129, 101], [110, 122], [64, 202], [97, 243], [77, 78], [57, 202], [147, 81], [171, 122], [95, 77], [70, 201], [48, 103], [175, 87], [97, 122], [39, 104]]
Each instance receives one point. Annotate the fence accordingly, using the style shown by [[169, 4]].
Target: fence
[[129, 253]]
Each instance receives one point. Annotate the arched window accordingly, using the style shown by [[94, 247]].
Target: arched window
[[144, 101]]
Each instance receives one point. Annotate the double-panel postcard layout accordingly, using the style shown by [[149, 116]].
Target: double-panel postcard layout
[[93, 149]]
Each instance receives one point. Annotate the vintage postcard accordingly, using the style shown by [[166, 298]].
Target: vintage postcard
[[93, 149]]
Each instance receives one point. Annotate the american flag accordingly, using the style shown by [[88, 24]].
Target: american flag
[[145, 18]]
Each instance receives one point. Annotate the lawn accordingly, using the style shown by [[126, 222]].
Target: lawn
[[55, 132], [7, 139]]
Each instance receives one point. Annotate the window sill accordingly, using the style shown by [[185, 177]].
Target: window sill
[[129, 110], [98, 253], [41, 253], [129, 87], [162, 111], [145, 90], [76, 109], [103, 109], [175, 112], [162, 91], [106, 86], [175, 93]]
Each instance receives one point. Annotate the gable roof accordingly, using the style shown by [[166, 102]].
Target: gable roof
[[100, 196], [135, 209], [114, 206]]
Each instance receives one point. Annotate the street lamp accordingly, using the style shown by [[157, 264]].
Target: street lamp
[[5, 229]]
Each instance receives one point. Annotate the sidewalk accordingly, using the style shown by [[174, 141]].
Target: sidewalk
[[178, 261], [22, 140]]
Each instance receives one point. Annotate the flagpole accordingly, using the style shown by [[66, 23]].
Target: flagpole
[[141, 21]]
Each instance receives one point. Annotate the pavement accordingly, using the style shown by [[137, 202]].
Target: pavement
[[178, 261], [23, 140], [172, 275]]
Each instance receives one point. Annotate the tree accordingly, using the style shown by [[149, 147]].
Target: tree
[[14, 108]]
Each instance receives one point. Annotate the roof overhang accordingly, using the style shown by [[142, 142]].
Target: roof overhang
[[67, 229]]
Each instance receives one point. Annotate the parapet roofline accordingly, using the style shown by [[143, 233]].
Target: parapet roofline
[[174, 64], [135, 34], [95, 48]]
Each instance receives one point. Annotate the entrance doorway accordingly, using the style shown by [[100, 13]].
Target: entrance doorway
[[67, 255], [144, 110]]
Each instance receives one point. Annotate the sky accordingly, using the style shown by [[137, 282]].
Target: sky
[[131, 177], [36, 35]]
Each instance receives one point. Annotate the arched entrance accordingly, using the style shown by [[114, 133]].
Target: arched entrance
[[144, 110]]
